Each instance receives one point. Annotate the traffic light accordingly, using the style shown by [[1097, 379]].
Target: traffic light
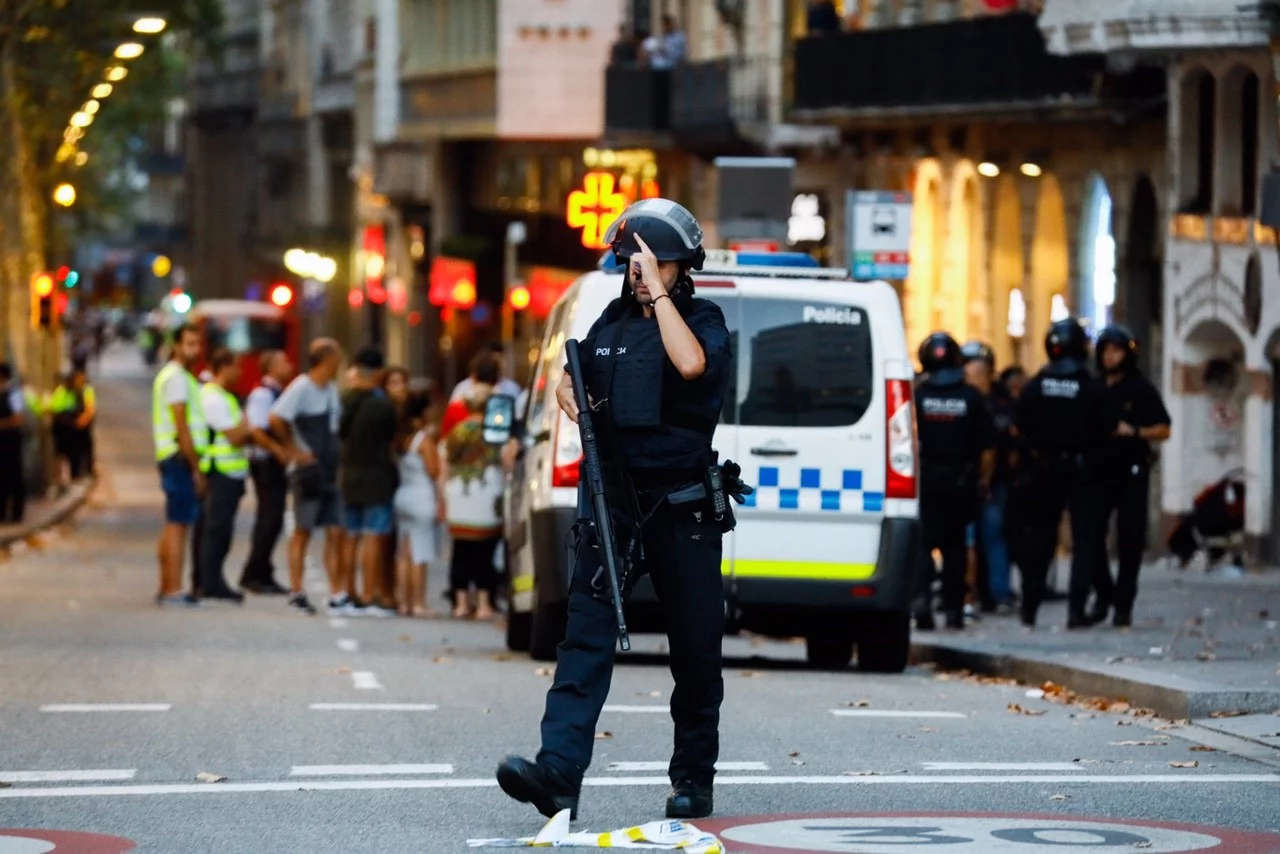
[[180, 300], [44, 313], [66, 276], [519, 298]]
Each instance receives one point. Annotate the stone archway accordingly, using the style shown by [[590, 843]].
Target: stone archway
[[1095, 299], [1140, 291], [1007, 273], [921, 291], [962, 312], [1050, 268]]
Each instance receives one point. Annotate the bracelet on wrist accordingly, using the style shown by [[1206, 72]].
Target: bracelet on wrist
[[661, 297]]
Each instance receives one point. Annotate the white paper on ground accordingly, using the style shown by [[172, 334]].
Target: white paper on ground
[[654, 836]]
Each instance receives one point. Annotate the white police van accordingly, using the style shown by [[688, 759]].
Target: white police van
[[818, 414]]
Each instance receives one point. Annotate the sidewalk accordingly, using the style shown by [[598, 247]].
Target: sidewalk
[[44, 513], [1199, 645]]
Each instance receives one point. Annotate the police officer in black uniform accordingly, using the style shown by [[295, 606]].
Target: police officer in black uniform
[[657, 364], [1059, 416], [1136, 417], [957, 456]]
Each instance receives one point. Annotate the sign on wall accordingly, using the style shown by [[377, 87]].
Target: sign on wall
[[879, 234]]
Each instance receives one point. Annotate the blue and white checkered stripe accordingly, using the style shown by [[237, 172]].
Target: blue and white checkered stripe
[[809, 489]]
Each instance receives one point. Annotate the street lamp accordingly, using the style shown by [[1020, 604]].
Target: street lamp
[[82, 158], [116, 73], [102, 90], [91, 107], [81, 120], [149, 26], [65, 195], [129, 50]]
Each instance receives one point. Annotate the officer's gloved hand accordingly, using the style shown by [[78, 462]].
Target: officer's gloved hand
[[733, 485]]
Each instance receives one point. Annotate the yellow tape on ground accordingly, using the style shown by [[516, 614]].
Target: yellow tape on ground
[[799, 570]]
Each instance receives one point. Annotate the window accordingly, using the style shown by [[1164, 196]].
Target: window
[[1196, 154], [243, 335], [442, 35], [1249, 145], [798, 364]]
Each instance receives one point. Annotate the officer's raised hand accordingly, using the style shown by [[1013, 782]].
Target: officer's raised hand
[[646, 277]]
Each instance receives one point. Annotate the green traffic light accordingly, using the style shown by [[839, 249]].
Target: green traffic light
[[73, 278]]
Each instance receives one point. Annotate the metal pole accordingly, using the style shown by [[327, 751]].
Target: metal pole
[[516, 235]]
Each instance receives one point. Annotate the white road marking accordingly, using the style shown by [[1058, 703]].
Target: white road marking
[[1001, 766], [348, 645], [373, 707], [337, 622], [106, 707], [893, 713], [638, 709], [365, 680], [366, 770], [66, 776], [488, 783], [662, 766]]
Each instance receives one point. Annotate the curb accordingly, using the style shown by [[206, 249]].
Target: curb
[[1171, 696], [58, 513]]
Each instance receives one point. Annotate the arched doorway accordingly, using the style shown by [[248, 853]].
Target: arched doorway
[[1050, 269], [1008, 271], [921, 291], [1212, 421], [960, 312], [1140, 296], [1096, 299]]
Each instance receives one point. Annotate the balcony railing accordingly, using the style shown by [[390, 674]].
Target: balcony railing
[[720, 94], [990, 60], [637, 99]]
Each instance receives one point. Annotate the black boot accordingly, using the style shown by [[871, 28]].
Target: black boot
[[530, 783], [955, 619], [689, 800], [1078, 619], [1122, 619]]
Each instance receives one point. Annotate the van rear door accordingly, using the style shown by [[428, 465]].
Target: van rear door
[[811, 435], [724, 294]]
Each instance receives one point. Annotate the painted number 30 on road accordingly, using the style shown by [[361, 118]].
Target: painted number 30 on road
[[979, 835]]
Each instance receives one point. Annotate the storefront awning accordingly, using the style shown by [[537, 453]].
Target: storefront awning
[[1103, 26]]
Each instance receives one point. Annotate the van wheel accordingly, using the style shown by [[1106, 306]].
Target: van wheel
[[829, 653], [884, 643], [549, 624], [519, 629]]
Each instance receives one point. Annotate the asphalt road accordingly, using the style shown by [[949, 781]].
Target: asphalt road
[[241, 692]]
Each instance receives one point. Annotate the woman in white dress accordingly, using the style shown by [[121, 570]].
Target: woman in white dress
[[420, 512]]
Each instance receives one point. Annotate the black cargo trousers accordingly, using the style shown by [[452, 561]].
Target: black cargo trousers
[[682, 552]]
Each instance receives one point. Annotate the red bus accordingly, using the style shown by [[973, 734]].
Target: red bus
[[246, 328]]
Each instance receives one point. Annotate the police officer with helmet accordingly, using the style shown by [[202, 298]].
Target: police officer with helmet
[[1135, 417], [657, 364], [957, 456], [1059, 417]]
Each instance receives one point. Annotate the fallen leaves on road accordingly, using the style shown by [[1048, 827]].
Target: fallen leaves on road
[[544, 671], [344, 670], [601, 736], [442, 659], [500, 656], [404, 639], [749, 674], [793, 754], [1059, 797], [4, 785], [206, 777], [859, 773], [1122, 659], [1123, 722], [928, 729], [1019, 710], [1203, 748], [1206, 656], [859, 704], [1192, 764], [1232, 714], [1140, 743]]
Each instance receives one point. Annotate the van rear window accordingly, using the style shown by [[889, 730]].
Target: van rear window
[[799, 364]]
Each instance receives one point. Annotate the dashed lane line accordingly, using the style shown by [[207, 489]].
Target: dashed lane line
[[337, 622], [103, 775], [1001, 766], [365, 680], [106, 707], [894, 713], [373, 707], [367, 770], [487, 783], [662, 766]]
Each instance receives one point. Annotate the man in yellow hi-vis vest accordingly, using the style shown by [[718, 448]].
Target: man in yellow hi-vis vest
[[177, 424], [225, 466]]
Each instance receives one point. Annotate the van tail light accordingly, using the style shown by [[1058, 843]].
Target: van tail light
[[900, 440], [568, 453]]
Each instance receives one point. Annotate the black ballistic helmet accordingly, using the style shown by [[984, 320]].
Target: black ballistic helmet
[[1122, 338], [939, 352], [1066, 339], [976, 351], [668, 229]]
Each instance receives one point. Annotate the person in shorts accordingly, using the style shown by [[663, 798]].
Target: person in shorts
[[180, 434], [369, 478], [305, 421]]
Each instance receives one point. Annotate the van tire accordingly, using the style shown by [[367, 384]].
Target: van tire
[[884, 643], [828, 653], [549, 624]]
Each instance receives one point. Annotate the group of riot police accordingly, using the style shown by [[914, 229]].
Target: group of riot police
[[1000, 460]]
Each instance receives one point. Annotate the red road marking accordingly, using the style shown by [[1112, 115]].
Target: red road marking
[[1233, 841], [69, 841]]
